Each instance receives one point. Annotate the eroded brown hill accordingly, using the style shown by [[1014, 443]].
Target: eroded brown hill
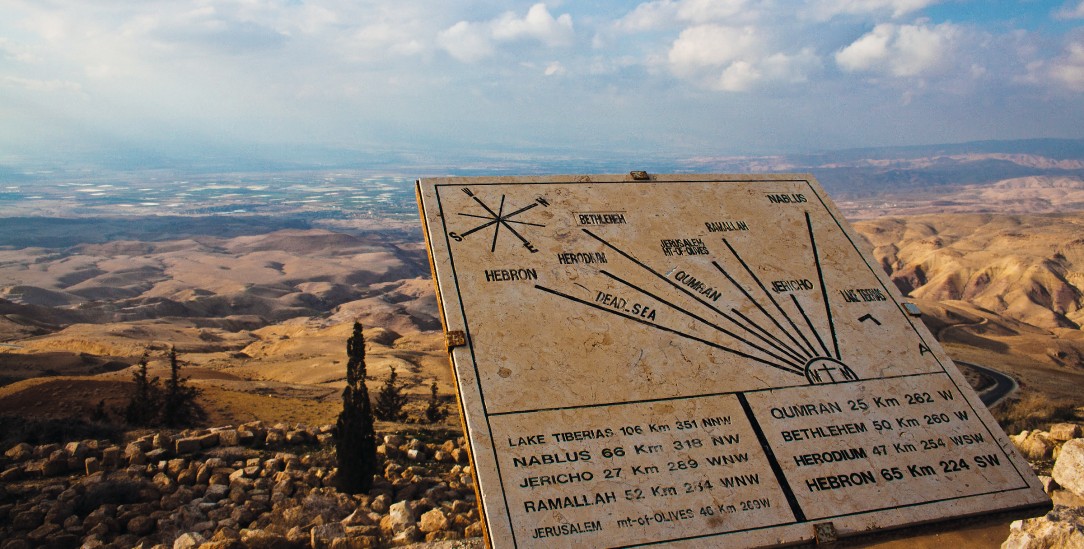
[[1025, 267]]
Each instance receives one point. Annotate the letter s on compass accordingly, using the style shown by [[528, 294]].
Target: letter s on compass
[[455, 237]]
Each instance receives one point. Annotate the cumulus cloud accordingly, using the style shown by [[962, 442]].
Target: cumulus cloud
[[465, 41], [1071, 12], [1068, 70], [826, 9], [472, 41], [538, 24], [900, 50], [736, 58], [712, 46], [663, 13]]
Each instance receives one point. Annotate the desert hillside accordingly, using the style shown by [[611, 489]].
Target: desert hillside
[[1026, 267], [260, 321]]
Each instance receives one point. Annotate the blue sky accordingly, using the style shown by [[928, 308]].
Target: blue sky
[[436, 79]]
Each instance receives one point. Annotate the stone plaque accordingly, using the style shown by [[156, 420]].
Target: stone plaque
[[696, 359]]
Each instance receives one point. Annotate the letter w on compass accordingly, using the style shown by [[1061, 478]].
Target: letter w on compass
[[500, 219]]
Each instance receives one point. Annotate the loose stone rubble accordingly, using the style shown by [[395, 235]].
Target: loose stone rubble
[[253, 485], [1063, 527], [258, 485]]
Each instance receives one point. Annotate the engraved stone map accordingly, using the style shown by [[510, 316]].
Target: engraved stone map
[[696, 359]]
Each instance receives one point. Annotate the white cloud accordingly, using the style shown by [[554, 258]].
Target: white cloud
[[467, 42], [736, 59], [901, 50], [1068, 70], [742, 75], [538, 24], [703, 11], [827, 9], [712, 46], [41, 85], [555, 69], [16, 52], [379, 39], [739, 76], [472, 41], [664, 13], [1071, 12]]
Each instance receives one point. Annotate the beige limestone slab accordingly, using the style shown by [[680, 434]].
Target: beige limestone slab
[[696, 359]]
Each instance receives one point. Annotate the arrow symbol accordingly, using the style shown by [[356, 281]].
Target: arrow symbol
[[868, 316]]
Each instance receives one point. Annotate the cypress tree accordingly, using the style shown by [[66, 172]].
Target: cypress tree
[[435, 411], [142, 406], [355, 438], [390, 400], [179, 406]]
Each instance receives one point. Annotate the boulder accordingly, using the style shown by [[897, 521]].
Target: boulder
[[1062, 432], [209, 440], [111, 457], [135, 454], [380, 503], [1069, 469], [406, 537], [76, 449], [1037, 446], [20, 452], [263, 538], [1061, 528], [141, 525], [400, 517], [186, 445], [474, 530], [229, 437], [322, 536], [55, 464], [162, 441], [433, 521], [188, 540]]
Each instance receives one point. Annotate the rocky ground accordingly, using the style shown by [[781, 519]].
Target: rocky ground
[[250, 486], [273, 486], [1058, 456]]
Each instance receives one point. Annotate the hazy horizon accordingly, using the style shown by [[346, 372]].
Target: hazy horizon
[[433, 83]]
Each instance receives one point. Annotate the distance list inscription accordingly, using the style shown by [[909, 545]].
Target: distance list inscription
[[696, 358]]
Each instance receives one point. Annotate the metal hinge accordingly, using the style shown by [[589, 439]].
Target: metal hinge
[[825, 533], [455, 338]]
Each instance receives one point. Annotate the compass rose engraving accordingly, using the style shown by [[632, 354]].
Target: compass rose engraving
[[498, 219]]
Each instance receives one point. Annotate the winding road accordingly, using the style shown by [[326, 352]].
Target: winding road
[[1004, 385]]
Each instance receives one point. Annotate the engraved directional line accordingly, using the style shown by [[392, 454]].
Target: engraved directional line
[[678, 287], [760, 307], [809, 346], [663, 328], [824, 289], [796, 366], [799, 356]]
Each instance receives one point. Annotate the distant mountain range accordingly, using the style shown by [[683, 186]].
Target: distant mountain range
[[869, 169], [868, 172]]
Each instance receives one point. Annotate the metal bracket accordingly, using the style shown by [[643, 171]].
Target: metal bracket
[[639, 175], [825, 533], [912, 309], [455, 338]]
